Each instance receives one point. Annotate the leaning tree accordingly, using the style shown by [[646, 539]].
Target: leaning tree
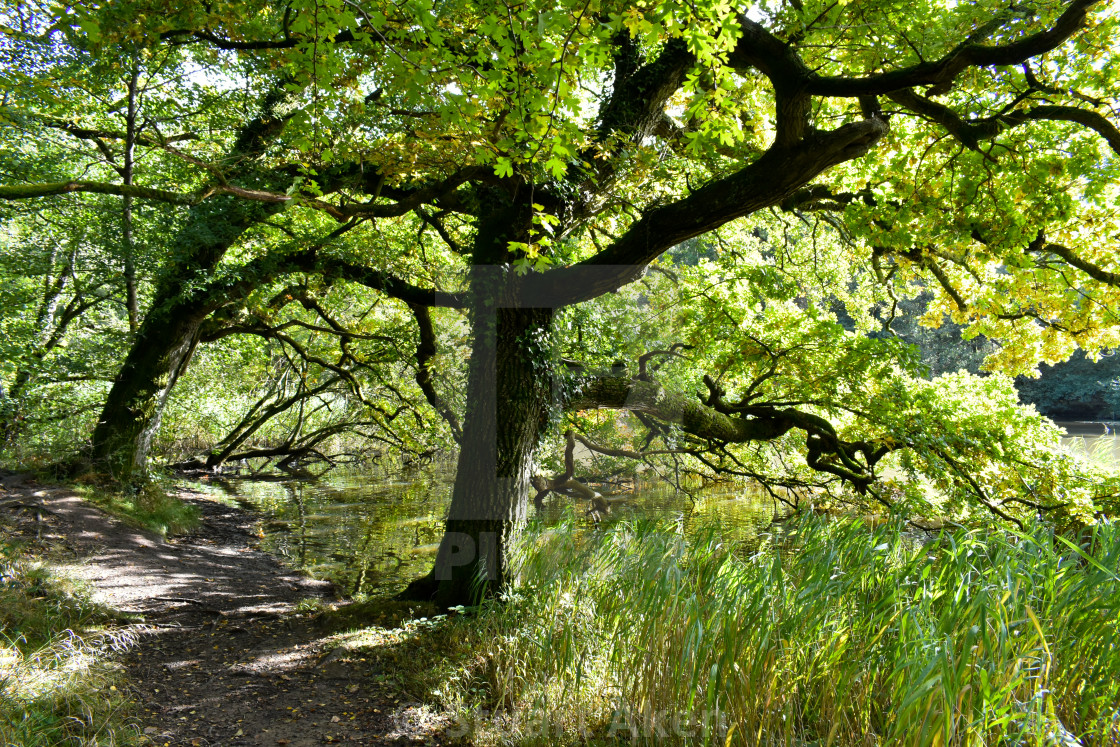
[[557, 150]]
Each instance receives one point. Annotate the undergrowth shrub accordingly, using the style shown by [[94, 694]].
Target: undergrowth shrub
[[56, 670]]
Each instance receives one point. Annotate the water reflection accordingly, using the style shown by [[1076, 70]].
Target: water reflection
[[372, 534]]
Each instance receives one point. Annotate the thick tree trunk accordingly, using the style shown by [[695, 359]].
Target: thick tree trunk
[[167, 337], [510, 393], [131, 415]]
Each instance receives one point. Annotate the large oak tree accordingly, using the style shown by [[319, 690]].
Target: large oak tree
[[558, 150]]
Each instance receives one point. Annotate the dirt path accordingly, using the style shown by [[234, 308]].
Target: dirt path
[[222, 659]]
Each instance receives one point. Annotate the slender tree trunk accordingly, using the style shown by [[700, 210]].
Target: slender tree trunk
[[509, 396], [54, 283], [50, 329], [126, 202]]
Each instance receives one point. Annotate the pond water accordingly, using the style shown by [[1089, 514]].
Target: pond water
[[373, 532]]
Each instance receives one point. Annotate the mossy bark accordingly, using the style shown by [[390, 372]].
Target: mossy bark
[[510, 395], [167, 337]]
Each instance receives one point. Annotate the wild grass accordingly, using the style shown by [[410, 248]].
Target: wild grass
[[149, 505], [838, 636], [57, 680]]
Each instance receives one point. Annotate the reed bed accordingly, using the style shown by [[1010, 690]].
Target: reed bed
[[835, 635]]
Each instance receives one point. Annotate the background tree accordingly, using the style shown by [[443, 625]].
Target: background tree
[[558, 150]]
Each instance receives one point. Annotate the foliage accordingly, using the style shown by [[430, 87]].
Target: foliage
[[60, 336], [340, 203], [56, 670], [1076, 389], [943, 348], [769, 340], [834, 634]]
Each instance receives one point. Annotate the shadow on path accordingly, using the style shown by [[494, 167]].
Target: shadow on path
[[224, 657]]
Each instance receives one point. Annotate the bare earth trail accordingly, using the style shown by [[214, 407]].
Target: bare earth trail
[[221, 658]]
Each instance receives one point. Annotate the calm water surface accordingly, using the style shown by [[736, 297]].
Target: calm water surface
[[373, 533]]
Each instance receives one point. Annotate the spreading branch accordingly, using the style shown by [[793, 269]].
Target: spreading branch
[[50, 189], [1098, 273], [426, 350], [763, 183], [941, 73], [643, 360], [971, 132], [715, 421]]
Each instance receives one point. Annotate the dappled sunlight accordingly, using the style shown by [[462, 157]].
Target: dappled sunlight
[[535, 274], [57, 657], [276, 661], [138, 573], [228, 652]]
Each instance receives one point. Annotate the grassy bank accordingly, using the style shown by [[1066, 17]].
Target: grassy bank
[[58, 685], [842, 637], [150, 505]]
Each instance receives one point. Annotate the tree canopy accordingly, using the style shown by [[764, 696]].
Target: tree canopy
[[702, 214]]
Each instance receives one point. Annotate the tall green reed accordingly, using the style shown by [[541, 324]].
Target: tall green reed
[[837, 635]]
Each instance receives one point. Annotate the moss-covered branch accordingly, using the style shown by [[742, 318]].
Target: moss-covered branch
[[715, 421], [650, 398], [49, 189]]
